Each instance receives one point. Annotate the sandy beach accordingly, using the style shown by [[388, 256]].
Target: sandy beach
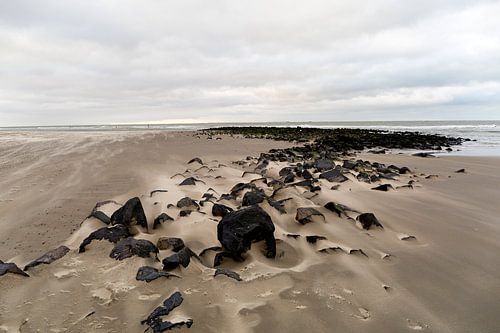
[[433, 267]]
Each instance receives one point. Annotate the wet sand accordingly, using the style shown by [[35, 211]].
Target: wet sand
[[446, 279]]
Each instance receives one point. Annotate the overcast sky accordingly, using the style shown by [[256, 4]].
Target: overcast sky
[[126, 61]]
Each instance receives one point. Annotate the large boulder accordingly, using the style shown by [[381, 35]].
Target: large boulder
[[220, 210], [238, 229], [130, 214]]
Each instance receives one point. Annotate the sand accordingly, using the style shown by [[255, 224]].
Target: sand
[[445, 278]]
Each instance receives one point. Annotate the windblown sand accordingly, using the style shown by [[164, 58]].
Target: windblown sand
[[446, 278]]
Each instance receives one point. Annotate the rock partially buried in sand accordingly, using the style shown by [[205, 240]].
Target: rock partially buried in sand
[[188, 203], [227, 272], [154, 319], [196, 159], [423, 155], [312, 239], [129, 247], [10, 267], [165, 243], [189, 181], [338, 208], [367, 220], [305, 214], [460, 171], [112, 234], [221, 210], [101, 216], [130, 214], [323, 164], [163, 217], [148, 274], [183, 257], [334, 176], [383, 188], [253, 197], [49, 257], [237, 230]]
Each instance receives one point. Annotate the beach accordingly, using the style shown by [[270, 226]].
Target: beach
[[432, 267]]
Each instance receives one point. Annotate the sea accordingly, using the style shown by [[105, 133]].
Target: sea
[[484, 134]]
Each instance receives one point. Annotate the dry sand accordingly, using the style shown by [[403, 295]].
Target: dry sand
[[445, 280]]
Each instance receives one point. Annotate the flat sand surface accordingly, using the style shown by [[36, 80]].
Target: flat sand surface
[[446, 278]]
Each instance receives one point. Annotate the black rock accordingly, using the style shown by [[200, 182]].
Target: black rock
[[162, 326], [157, 191], [286, 171], [323, 164], [289, 178], [304, 214], [279, 205], [220, 210], [306, 174], [154, 319], [112, 234], [163, 217], [187, 202], [148, 274], [10, 267], [337, 208], [240, 187], [367, 220], [334, 175], [196, 159], [253, 197], [314, 238], [130, 214], [189, 181], [129, 247], [237, 230], [49, 257], [363, 177], [184, 213], [183, 257], [404, 170], [349, 164], [227, 196], [460, 171], [383, 187], [423, 155], [165, 243], [227, 272]]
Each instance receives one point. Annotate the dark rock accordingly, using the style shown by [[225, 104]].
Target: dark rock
[[240, 187], [290, 178], [227, 196], [279, 205], [129, 247], [187, 202], [196, 159], [363, 177], [334, 175], [349, 164], [237, 230], [49, 257], [183, 257], [337, 208], [368, 220], [154, 319], [163, 217], [157, 191], [10, 267], [188, 181], [227, 272], [286, 171], [165, 243], [253, 198], [185, 213], [306, 174], [162, 326], [460, 171], [148, 274], [304, 214], [220, 210], [404, 170], [383, 187], [130, 214], [101, 216], [323, 164], [314, 238], [423, 155], [112, 234], [294, 236]]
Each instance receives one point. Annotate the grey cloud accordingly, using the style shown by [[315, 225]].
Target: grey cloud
[[77, 62]]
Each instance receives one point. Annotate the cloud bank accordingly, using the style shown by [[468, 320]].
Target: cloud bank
[[125, 61]]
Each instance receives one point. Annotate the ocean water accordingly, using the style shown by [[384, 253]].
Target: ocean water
[[485, 134]]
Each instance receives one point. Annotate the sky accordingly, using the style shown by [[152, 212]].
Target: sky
[[167, 61]]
